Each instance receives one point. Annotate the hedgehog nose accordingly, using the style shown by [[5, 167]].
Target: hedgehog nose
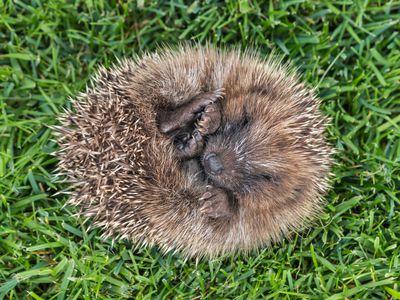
[[213, 163]]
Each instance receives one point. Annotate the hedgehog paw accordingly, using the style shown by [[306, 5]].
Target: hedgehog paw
[[189, 112], [210, 119], [216, 203], [192, 147]]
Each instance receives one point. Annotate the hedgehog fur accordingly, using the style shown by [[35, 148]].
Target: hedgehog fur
[[126, 175]]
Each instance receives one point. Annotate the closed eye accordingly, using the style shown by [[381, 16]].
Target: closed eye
[[263, 177], [267, 176]]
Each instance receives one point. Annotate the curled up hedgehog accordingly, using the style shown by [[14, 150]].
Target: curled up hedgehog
[[198, 150]]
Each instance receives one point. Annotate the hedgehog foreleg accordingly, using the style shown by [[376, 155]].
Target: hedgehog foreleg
[[203, 112], [190, 112], [216, 203], [208, 123]]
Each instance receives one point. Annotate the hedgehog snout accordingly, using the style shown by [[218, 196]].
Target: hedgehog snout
[[219, 164], [213, 164]]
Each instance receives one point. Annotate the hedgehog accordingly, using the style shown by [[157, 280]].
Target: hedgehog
[[196, 150]]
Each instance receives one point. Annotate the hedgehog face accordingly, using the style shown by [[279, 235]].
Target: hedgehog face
[[222, 167], [237, 160]]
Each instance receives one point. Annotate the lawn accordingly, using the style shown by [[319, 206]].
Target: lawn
[[349, 50]]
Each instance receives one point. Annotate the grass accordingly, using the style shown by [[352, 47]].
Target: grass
[[350, 50]]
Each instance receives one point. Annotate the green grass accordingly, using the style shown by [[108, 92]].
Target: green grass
[[351, 51]]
